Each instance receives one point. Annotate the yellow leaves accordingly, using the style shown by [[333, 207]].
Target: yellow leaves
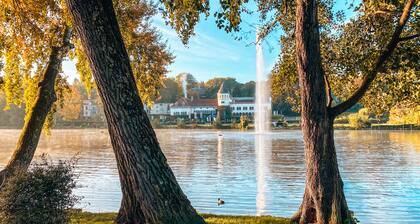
[[405, 115], [30, 93], [72, 104], [12, 78], [82, 66], [30, 28]]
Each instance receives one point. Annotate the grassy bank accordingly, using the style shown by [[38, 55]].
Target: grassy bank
[[107, 218]]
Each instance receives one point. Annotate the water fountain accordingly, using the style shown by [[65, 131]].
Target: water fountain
[[184, 84], [262, 121], [262, 116]]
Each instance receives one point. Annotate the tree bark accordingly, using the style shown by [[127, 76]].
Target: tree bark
[[150, 191], [323, 201], [31, 132]]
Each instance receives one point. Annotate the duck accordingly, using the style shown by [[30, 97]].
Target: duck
[[220, 202]]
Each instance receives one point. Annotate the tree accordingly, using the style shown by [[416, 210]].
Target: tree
[[323, 200], [32, 60], [170, 92], [246, 90], [150, 191], [186, 82], [73, 103], [34, 39], [213, 85]]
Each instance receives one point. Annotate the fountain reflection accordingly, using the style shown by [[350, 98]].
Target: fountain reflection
[[263, 156], [219, 153]]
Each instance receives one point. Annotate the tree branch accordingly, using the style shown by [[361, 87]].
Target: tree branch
[[329, 93], [409, 37], [367, 81]]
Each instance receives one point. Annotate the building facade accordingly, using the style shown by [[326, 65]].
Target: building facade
[[160, 110], [207, 109], [200, 109], [90, 108]]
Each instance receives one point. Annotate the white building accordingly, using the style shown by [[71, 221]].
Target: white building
[[204, 109], [207, 108], [90, 109], [160, 110], [242, 105]]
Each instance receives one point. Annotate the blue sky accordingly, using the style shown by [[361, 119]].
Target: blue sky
[[215, 53]]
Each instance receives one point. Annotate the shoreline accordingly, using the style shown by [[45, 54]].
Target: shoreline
[[376, 127], [108, 218]]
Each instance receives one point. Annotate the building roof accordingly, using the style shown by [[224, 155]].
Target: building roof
[[223, 88], [243, 101], [184, 102], [204, 102]]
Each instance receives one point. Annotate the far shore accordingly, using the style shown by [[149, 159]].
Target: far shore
[[406, 127]]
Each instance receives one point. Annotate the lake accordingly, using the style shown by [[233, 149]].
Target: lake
[[254, 174]]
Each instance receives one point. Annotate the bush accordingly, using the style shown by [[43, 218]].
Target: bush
[[180, 123], [43, 194], [234, 125], [156, 123], [359, 119], [217, 124], [194, 123], [343, 119], [244, 122], [281, 121]]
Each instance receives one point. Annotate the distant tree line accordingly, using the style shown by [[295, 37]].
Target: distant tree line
[[172, 91]]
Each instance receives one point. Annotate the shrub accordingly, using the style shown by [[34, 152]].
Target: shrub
[[234, 125], [43, 194], [156, 123], [281, 121], [359, 119], [180, 123], [343, 119], [217, 124], [244, 122], [194, 123]]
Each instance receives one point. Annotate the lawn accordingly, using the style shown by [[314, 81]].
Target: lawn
[[107, 218]]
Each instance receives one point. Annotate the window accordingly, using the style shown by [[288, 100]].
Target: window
[[245, 108], [251, 108], [238, 108]]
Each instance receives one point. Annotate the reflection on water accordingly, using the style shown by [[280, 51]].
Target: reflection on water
[[262, 154], [254, 174]]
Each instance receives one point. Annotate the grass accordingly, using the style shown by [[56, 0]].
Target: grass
[[108, 218]]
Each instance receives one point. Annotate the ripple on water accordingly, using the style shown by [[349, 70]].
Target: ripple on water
[[380, 169]]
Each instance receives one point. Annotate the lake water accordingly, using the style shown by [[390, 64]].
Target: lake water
[[254, 174]]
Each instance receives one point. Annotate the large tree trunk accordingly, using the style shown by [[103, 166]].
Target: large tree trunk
[[31, 132], [323, 200], [150, 191]]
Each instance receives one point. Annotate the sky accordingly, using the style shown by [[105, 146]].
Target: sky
[[214, 53]]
